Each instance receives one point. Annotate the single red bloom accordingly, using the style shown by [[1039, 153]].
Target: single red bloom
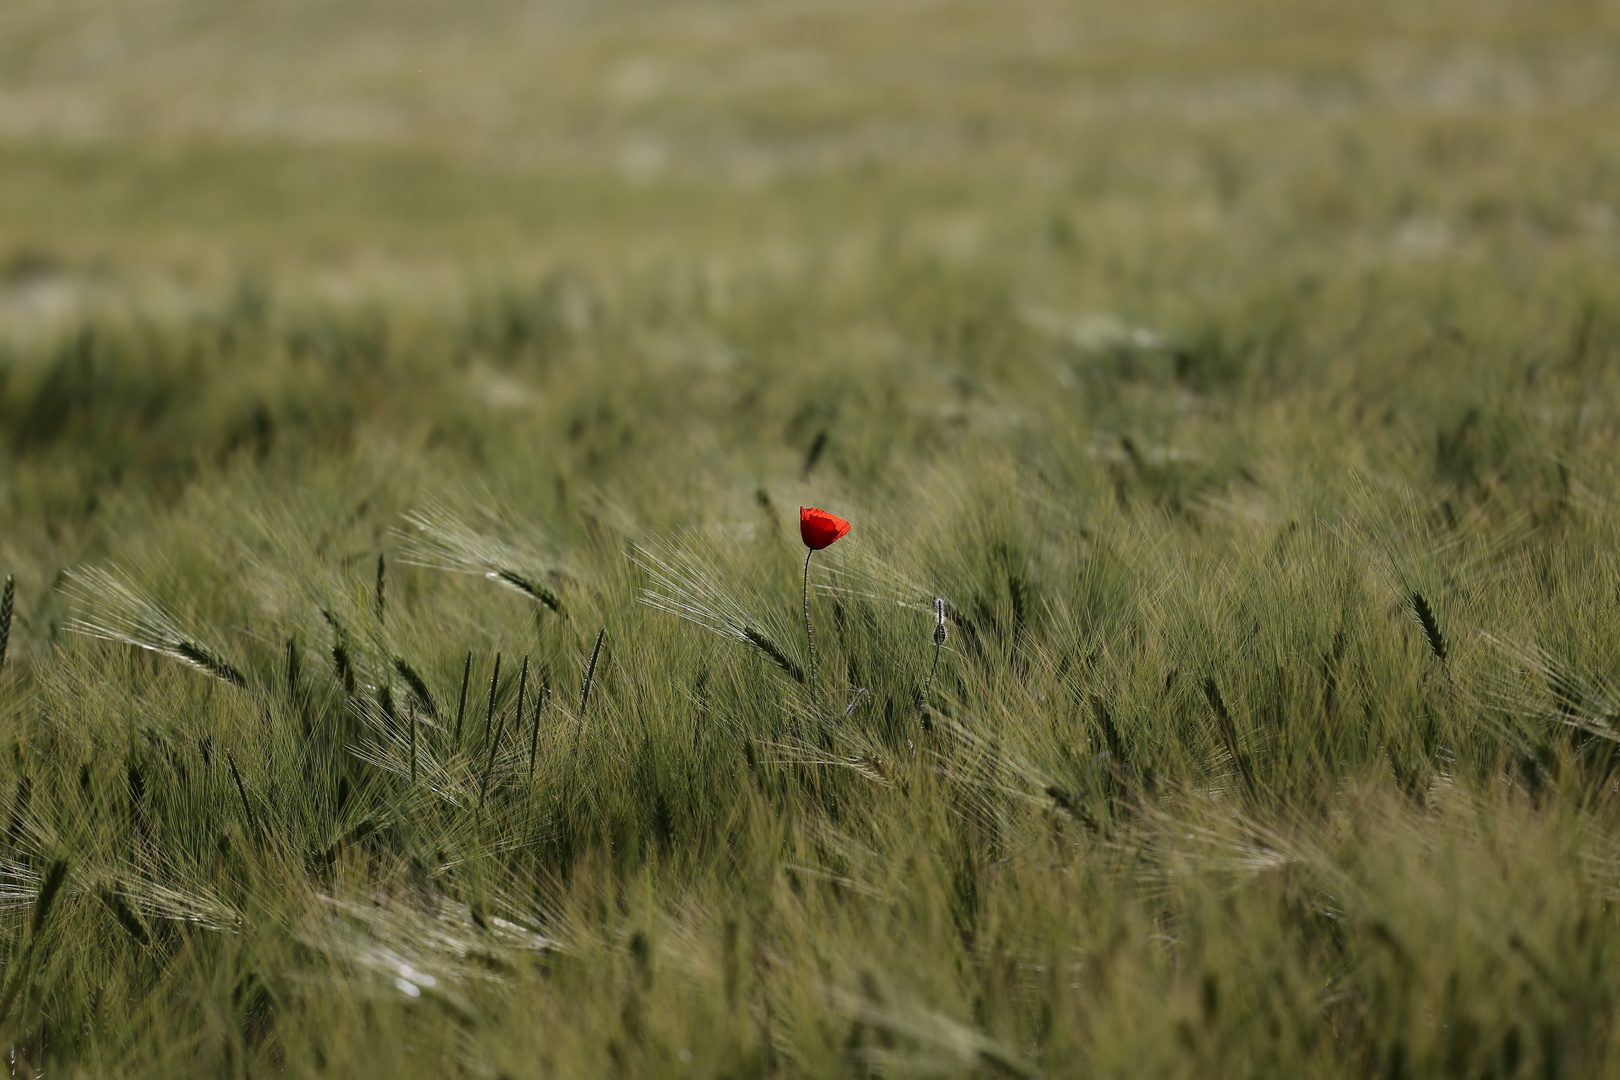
[[819, 528]]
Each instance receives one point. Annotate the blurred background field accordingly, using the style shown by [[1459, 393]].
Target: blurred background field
[[1242, 374], [1077, 146]]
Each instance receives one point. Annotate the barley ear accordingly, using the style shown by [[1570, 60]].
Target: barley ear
[[585, 690], [17, 971], [47, 893], [418, 685], [1430, 624], [1228, 732], [941, 612], [590, 674], [241, 793], [774, 652]]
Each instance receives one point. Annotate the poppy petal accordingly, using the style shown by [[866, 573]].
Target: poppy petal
[[818, 529]]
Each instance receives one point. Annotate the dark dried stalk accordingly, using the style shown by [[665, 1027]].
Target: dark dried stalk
[[461, 709], [7, 602], [585, 689], [295, 675], [523, 684], [590, 674], [541, 699], [494, 744], [494, 677], [382, 581], [489, 763], [413, 744]]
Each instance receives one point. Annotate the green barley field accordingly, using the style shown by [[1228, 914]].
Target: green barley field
[[405, 412]]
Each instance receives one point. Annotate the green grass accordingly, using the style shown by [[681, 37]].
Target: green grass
[[1244, 378]]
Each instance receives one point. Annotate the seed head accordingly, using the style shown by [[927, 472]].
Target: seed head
[[939, 622]]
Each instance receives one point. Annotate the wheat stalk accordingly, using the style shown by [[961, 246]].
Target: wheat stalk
[[419, 689], [683, 588], [122, 613], [442, 541]]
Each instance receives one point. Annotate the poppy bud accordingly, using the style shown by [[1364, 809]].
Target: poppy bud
[[819, 528]]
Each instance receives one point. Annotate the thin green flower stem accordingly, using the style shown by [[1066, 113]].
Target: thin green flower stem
[[809, 632]]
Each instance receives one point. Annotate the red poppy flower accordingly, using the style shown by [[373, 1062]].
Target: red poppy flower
[[819, 528]]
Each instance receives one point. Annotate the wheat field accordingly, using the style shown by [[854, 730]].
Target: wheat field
[[405, 411]]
